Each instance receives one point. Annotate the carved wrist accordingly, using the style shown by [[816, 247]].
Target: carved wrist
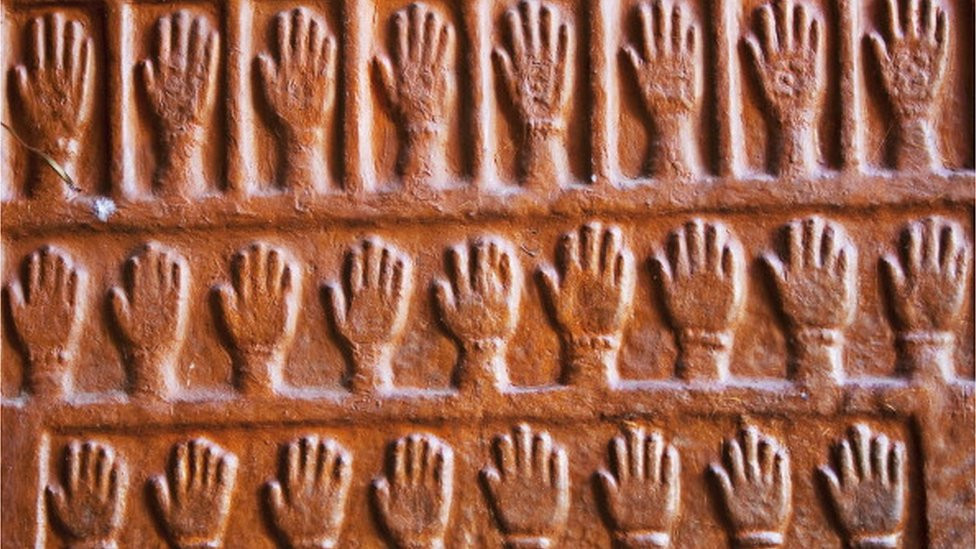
[[258, 368], [817, 354], [544, 128], [372, 370], [643, 540], [49, 373], [315, 543], [928, 353], [195, 544], [94, 544], [877, 541], [759, 539], [527, 542], [704, 354], [592, 359], [302, 140], [437, 543]]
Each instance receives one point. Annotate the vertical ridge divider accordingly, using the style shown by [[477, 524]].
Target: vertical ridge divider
[[727, 102], [477, 24], [602, 88], [358, 172], [119, 62], [851, 139], [239, 152]]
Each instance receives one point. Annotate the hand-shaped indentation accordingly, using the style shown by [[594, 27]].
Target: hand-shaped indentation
[[298, 80], [481, 302], [592, 294], [48, 318], [414, 498], [308, 504], [928, 282], [54, 92], [194, 499], [537, 69], [914, 58], [756, 488], [151, 313], [643, 491], [528, 487], [817, 279], [869, 494], [786, 56], [180, 82], [260, 309], [666, 65], [90, 504]]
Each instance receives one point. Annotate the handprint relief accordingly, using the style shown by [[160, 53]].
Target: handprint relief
[[702, 275], [89, 504], [308, 503], [480, 307], [867, 489], [53, 95], [528, 488], [913, 57], [756, 488], [151, 312], [298, 83], [180, 84], [667, 75], [591, 298], [536, 70], [414, 498], [816, 282], [927, 284], [642, 490], [418, 83], [193, 500], [259, 310], [786, 54], [48, 310], [370, 310]]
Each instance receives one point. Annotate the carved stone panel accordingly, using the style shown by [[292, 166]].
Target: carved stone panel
[[526, 274]]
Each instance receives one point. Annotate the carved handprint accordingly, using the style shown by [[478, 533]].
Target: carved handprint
[[414, 499], [669, 83], [152, 315], [816, 283], [591, 299], [537, 71], [90, 504], [756, 488], [480, 306], [927, 286], [54, 99], [643, 491], [194, 499], [528, 487], [370, 309], [308, 504], [260, 311], [786, 56], [419, 85], [48, 318], [298, 83], [702, 275], [913, 63], [868, 488], [180, 83]]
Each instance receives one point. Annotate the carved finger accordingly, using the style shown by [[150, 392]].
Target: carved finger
[[55, 40], [894, 20], [481, 271], [861, 439], [610, 249], [550, 285], [381, 494], [276, 499], [913, 19], [459, 268], [75, 36], [896, 465], [415, 31], [565, 56], [832, 482], [620, 457], [38, 47], [505, 455], [58, 501], [15, 297], [541, 453], [751, 439], [692, 40], [812, 241], [530, 21], [522, 435], [196, 56], [301, 23], [735, 460], [801, 27], [229, 309], [662, 22], [845, 460], [503, 64], [880, 449], [559, 476], [549, 31], [316, 45], [161, 495], [785, 13], [590, 246], [724, 482], [181, 21], [768, 30], [431, 37], [781, 478], [646, 15], [73, 473], [671, 469], [121, 309], [337, 305], [678, 253], [679, 24], [445, 47]]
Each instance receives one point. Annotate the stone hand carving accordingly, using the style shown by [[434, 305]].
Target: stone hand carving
[[666, 69], [867, 489], [53, 95], [702, 273], [816, 281], [913, 60], [194, 499], [48, 318], [298, 82], [414, 499], [418, 83], [480, 307], [756, 488], [591, 299], [89, 506], [536, 70], [308, 503], [528, 488], [642, 491], [927, 286], [369, 312], [786, 55], [259, 311], [151, 313], [180, 82]]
